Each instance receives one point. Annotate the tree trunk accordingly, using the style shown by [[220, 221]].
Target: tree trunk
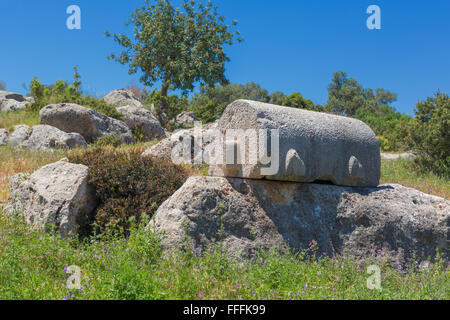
[[164, 110]]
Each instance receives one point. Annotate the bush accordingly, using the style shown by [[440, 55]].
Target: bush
[[109, 140], [430, 134], [176, 105], [62, 92], [127, 186]]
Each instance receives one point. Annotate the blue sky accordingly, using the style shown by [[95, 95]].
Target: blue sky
[[290, 45]]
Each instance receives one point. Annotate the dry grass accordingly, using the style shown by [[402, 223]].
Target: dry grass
[[13, 161], [403, 172]]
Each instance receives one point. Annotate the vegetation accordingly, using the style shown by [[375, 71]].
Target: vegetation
[[409, 174], [175, 104], [35, 265], [127, 185], [209, 104], [430, 134], [9, 119], [62, 92], [177, 46], [14, 161], [2, 85]]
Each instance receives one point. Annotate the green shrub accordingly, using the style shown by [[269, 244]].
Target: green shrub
[[109, 140], [127, 185], [430, 134], [61, 92], [139, 134], [176, 105]]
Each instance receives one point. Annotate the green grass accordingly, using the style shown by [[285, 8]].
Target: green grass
[[9, 119], [404, 172], [34, 266]]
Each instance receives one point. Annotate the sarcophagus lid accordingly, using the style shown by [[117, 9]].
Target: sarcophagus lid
[[265, 141]]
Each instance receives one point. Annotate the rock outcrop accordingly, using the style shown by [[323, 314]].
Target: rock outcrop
[[184, 146], [19, 135], [306, 146], [123, 98], [138, 118], [41, 137], [57, 194], [91, 124], [247, 215], [184, 119], [44, 137], [10, 101]]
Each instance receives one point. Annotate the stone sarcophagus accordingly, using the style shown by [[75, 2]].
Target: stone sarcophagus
[[264, 141]]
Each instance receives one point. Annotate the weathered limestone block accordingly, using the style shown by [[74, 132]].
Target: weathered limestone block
[[56, 194], [19, 135], [310, 146], [70, 117], [123, 98], [10, 101], [44, 137], [248, 215], [138, 118]]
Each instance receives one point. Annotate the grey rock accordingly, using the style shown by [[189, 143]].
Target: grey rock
[[122, 98], [198, 142], [44, 137], [140, 118], [258, 214], [313, 146], [19, 135], [16, 180], [55, 194], [10, 101], [73, 118], [3, 137], [185, 119]]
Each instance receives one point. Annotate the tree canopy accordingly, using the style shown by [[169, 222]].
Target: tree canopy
[[430, 133], [177, 46]]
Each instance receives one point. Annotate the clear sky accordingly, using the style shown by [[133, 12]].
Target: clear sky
[[290, 45]]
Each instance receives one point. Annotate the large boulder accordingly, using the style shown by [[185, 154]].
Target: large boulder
[[138, 118], [19, 135], [184, 146], [91, 124], [44, 137], [123, 98], [10, 101], [57, 194], [247, 215], [310, 146]]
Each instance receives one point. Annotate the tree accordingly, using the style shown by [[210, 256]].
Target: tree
[[296, 100], [76, 79], [210, 102], [430, 133], [345, 95], [2, 85], [178, 47]]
